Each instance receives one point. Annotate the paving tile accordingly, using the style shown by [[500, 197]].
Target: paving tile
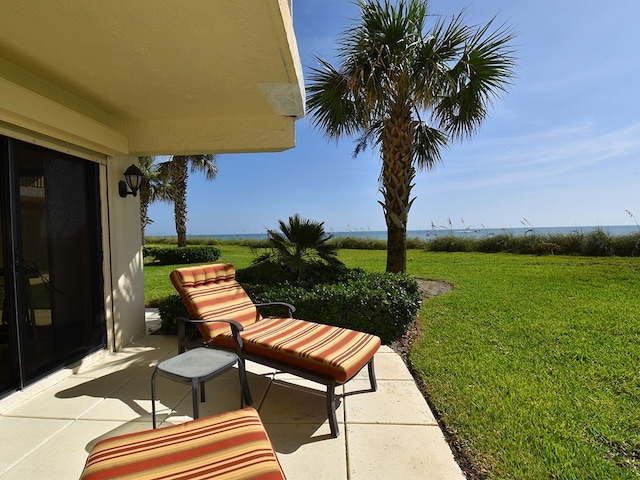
[[400, 451], [21, 445], [309, 453], [129, 361], [297, 401], [64, 455], [132, 401], [397, 402], [221, 395], [388, 365], [68, 399]]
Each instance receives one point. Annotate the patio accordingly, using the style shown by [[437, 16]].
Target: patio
[[387, 434]]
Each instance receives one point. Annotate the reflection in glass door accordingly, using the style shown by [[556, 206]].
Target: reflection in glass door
[[52, 307]]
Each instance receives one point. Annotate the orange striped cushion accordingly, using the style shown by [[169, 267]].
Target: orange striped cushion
[[331, 351], [230, 445], [211, 292]]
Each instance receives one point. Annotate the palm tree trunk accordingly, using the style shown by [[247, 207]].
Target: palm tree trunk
[[397, 175], [144, 207], [179, 176]]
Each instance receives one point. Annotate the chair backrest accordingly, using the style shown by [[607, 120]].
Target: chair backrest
[[211, 292]]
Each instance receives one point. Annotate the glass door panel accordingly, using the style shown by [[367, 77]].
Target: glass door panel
[[58, 314], [8, 379]]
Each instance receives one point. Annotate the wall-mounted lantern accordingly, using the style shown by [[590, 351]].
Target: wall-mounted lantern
[[133, 180]]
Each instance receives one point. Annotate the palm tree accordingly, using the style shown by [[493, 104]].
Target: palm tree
[[409, 92], [177, 170], [154, 187]]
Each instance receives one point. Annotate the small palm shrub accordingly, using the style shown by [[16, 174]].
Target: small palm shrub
[[298, 252]]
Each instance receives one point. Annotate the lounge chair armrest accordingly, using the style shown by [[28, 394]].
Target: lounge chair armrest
[[289, 307], [236, 328]]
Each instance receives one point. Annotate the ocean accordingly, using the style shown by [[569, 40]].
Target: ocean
[[613, 230]]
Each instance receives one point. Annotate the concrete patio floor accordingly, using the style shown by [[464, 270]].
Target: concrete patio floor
[[49, 428]]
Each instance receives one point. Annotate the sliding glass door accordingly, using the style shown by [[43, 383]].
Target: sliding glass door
[[52, 287]]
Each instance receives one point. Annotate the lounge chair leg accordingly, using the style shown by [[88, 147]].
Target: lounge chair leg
[[153, 398], [331, 410], [372, 376], [245, 396]]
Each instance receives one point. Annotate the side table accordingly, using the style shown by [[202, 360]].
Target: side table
[[195, 366]]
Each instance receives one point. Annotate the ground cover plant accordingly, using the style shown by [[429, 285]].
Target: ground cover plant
[[531, 362]]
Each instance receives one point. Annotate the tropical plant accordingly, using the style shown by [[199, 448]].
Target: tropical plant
[[408, 92], [176, 170], [299, 251], [154, 187]]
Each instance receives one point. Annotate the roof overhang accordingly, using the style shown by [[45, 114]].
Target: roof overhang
[[151, 77]]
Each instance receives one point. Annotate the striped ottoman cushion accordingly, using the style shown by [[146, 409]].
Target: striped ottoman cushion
[[333, 352], [231, 445]]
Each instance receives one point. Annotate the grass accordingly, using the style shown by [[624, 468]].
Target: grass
[[532, 362]]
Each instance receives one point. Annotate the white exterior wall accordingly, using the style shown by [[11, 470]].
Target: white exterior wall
[[123, 259]]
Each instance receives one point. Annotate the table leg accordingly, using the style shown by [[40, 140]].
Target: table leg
[[245, 393], [153, 397], [194, 395]]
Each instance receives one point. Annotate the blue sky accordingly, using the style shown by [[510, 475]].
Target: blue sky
[[561, 148]]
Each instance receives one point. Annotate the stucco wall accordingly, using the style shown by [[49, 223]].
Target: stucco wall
[[125, 258]]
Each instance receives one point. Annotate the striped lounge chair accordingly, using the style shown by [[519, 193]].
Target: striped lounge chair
[[228, 446], [227, 318]]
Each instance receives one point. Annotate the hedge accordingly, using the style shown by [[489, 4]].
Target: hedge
[[182, 255]]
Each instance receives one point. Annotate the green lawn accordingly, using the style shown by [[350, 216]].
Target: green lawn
[[533, 362]]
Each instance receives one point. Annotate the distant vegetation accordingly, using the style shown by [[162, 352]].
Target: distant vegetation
[[596, 243]]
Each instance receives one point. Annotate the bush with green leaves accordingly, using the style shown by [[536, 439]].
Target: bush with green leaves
[[182, 255], [170, 308], [383, 304]]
